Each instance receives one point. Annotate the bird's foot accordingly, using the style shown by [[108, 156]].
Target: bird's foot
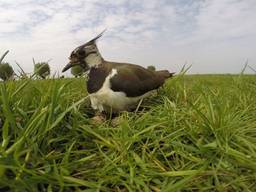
[[98, 119], [116, 121]]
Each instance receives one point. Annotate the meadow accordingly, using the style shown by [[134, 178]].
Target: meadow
[[197, 134]]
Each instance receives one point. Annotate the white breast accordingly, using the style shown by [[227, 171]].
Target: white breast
[[106, 99]]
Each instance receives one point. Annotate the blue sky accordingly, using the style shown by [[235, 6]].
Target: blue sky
[[215, 36]]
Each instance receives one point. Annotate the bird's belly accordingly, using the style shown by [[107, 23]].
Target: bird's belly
[[110, 101]]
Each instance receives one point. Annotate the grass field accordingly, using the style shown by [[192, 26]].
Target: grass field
[[198, 134]]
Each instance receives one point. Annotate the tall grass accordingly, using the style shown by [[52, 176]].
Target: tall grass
[[198, 134]]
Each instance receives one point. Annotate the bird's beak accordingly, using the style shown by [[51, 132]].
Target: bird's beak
[[68, 66]]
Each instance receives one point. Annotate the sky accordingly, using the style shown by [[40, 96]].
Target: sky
[[214, 36]]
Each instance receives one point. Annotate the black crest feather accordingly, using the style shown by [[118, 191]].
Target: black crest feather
[[95, 38]]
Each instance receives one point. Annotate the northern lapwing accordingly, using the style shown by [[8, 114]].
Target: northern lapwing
[[114, 87]]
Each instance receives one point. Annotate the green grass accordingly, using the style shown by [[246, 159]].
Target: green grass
[[198, 134]]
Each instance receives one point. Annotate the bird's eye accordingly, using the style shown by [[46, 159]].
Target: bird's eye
[[81, 53]]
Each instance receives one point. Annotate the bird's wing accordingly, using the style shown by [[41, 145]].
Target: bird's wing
[[135, 80]]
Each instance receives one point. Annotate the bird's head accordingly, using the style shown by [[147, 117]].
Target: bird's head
[[79, 55]]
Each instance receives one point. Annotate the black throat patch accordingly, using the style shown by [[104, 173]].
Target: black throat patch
[[97, 76]]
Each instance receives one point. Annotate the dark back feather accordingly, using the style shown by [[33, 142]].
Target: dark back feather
[[135, 80]]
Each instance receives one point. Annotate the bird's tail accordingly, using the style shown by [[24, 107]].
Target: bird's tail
[[165, 73]]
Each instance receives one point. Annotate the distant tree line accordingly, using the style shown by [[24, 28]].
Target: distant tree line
[[151, 67], [6, 71], [77, 71], [41, 70]]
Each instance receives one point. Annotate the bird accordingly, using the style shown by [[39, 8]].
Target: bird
[[114, 87]]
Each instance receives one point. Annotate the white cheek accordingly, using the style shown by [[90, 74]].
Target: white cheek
[[93, 59]]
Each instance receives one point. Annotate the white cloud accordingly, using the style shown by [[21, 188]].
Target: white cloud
[[214, 35]]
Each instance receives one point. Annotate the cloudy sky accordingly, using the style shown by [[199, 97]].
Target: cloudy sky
[[215, 36]]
